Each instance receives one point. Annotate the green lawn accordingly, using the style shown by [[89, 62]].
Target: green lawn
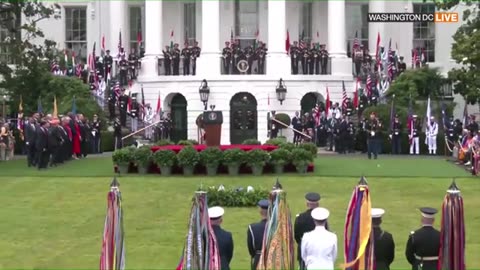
[[55, 219]]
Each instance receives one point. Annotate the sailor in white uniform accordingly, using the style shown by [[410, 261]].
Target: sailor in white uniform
[[319, 247], [148, 121], [431, 138]]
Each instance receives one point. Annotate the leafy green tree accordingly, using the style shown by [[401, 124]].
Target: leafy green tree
[[417, 84], [466, 51]]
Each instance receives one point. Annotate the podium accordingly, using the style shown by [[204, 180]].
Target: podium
[[212, 121]]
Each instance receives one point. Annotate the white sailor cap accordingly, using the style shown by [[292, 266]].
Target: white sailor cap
[[215, 212], [320, 213], [377, 212]]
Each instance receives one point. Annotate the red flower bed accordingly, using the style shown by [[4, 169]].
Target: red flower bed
[[199, 148]]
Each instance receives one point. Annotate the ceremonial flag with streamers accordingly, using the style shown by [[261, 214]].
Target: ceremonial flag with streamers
[[355, 94], [317, 114], [410, 120], [113, 244], [344, 97], [327, 104], [20, 117], [201, 249], [55, 109], [171, 38], [369, 85], [143, 107], [74, 106], [278, 244], [359, 239], [377, 51], [390, 61], [287, 43], [159, 105], [39, 105], [428, 115], [452, 232]]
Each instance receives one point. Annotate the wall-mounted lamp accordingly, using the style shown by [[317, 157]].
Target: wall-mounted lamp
[[204, 92], [281, 91]]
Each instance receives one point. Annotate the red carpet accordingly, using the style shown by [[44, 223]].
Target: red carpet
[[222, 169]]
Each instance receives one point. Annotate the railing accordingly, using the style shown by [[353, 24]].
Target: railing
[[311, 68], [243, 66], [163, 70]]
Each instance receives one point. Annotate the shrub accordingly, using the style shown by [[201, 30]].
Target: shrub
[[164, 158], [301, 157], [284, 118], [276, 141], [123, 156], [280, 156], [211, 157], [310, 147], [232, 157], [188, 157], [257, 158], [287, 146], [185, 142], [252, 142], [164, 143], [236, 197], [143, 156]]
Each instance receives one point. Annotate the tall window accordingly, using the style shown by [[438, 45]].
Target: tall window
[[246, 21], [76, 31], [424, 32], [305, 31], [356, 23], [135, 27], [8, 21], [190, 22]]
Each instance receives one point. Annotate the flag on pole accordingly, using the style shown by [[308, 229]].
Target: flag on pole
[[410, 120], [185, 38], [452, 232], [139, 34], [39, 105], [65, 58], [356, 42], [355, 94], [392, 114], [201, 249], [359, 239], [423, 57], [55, 109], [102, 45], [465, 115], [428, 115], [120, 51], [74, 106], [377, 51], [369, 85], [20, 117], [287, 43], [390, 61], [415, 58], [172, 39], [278, 237], [143, 107], [302, 38], [73, 59], [232, 40], [113, 244], [327, 105], [159, 105], [256, 41], [344, 97]]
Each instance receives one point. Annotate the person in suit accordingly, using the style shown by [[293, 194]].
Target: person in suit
[[384, 244], [255, 234], [68, 143], [224, 238], [30, 138], [117, 134], [304, 223], [423, 245], [64, 148], [297, 125], [55, 142], [319, 247], [96, 135], [41, 145]]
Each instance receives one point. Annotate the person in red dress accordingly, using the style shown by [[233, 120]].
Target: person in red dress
[[76, 139]]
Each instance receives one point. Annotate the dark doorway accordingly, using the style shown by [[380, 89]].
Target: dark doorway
[[179, 118], [310, 100], [243, 118]]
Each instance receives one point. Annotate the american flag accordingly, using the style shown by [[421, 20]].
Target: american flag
[[119, 44], [369, 85], [415, 58], [356, 43], [316, 114], [344, 97], [410, 120], [390, 61]]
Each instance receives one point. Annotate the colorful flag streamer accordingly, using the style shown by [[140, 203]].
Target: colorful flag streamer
[[452, 233], [201, 250], [278, 244], [55, 109], [113, 246], [359, 244]]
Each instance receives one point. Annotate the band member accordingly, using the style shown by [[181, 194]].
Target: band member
[[100, 71], [117, 133], [196, 50], [255, 234], [227, 58], [96, 135], [186, 54], [167, 60], [123, 64], [4, 141], [358, 59], [261, 54], [30, 138], [133, 64], [373, 142], [123, 108], [305, 59], [297, 125], [431, 136], [112, 101], [224, 238], [294, 57], [323, 59], [315, 64], [176, 60], [414, 136], [41, 145], [384, 244], [55, 142], [134, 110], [148, 121], [396, 136], [108, 61], [84, 129], [401, 66], [249, 55], [350, 142]]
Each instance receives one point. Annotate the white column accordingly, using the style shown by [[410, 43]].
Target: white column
[[153, 38], [209, 62], [118, 18], [375, 28], [278, 62], [337, 39]]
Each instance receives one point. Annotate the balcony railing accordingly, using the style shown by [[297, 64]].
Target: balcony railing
[[243, 66], [311, 68]]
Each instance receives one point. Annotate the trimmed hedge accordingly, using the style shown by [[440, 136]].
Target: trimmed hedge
[[235, 197]]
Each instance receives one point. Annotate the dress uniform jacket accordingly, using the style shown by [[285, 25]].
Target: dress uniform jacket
[[384, 248], [423, 247], [319, 249], [255, 241], [303, 223], [225, 246]]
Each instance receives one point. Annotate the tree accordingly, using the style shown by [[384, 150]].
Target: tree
[[466, 51], [417, 83]]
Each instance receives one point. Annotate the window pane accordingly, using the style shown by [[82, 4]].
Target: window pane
[[246, 18], [75, 24], [189, 21], [356, 23]]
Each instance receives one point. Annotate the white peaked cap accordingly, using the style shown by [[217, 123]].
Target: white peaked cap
[[377, 212], [320, 213], [215, 212]]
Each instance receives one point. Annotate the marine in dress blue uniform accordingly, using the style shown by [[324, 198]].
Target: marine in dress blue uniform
[[255, 234], [304, 223], [384, 244], [224, 238], [423, 245]]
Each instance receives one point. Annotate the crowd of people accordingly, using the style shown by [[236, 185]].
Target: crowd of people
[[317, 244], [49, 140]]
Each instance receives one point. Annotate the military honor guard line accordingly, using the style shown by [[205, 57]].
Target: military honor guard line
[[270, 241]]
